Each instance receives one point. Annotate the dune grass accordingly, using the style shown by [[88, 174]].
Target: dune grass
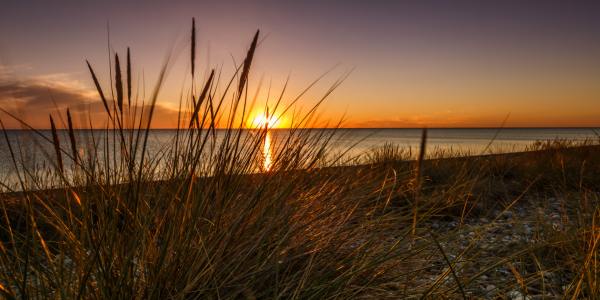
[[206, 219]]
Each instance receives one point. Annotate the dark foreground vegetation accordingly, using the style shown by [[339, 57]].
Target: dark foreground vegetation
[[206, 219]]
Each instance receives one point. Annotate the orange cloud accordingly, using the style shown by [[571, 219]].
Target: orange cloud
[[439, 119], [33, 99]]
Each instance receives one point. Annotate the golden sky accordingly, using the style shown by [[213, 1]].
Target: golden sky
[[435, 64]]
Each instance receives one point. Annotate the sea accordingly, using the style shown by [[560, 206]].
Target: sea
[[34, 149]]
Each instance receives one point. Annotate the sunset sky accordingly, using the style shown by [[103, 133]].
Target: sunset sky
[[415, 63]]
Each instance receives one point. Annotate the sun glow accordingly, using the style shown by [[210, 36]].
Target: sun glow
[[266, 121]]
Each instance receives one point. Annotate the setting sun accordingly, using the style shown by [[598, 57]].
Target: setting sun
[[270, 121]]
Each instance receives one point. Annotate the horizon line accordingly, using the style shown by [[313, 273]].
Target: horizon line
[[338, 128]]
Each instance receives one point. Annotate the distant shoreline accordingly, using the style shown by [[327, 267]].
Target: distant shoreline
[[356, 167]]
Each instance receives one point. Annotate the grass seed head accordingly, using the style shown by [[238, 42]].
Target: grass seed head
[[202, 97], [99, 89], [56, 143], [118, 83], [247, 63], [193, 56], [128, 78], [72, 136]]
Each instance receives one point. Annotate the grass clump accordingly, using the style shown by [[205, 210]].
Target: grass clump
[[207, 218]]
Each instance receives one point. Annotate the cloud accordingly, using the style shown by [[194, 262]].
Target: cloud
[[10, 70], [33, 99], [433, 120]]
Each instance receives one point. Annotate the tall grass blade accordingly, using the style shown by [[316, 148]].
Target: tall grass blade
[[420, 161], [202, 97], [99, 89], [247, 63], [72, 136], [495, 135], [56, 143], [448, 263], [128, 78], [118, 83], [193, 54]]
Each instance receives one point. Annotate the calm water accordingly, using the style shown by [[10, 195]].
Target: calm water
[[37, 151], [474, 139]]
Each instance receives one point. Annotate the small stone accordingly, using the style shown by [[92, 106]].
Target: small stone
[[471, 271], [548, 275], [535, 284], [513, 294], [496, 229], [516, 295], [489, 290]]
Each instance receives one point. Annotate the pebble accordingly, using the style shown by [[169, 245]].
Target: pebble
[[549, 275], [489, 290], [516, 295]]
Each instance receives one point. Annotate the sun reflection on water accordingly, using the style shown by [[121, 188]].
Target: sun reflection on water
[[267, 152]]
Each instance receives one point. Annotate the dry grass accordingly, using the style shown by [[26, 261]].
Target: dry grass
[[197, 221]]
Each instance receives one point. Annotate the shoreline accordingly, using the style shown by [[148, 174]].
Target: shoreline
[[508, 155]]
